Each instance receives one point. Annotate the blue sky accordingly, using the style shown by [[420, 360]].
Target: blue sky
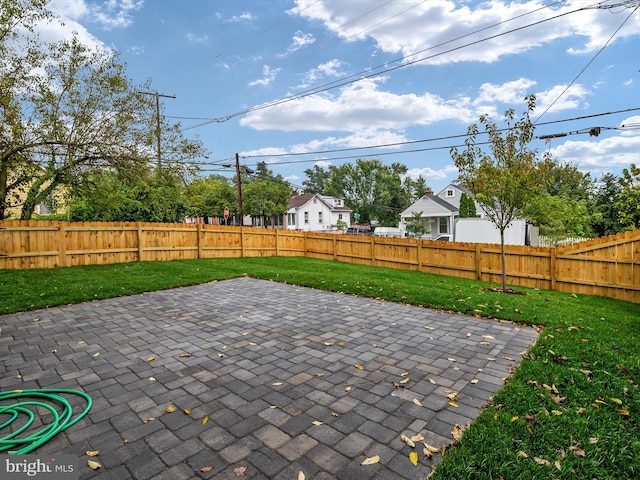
[[446, 62]]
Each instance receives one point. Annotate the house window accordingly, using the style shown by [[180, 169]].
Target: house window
[[338, 202], [292, 219], [339, 216], [319, 217], [450, 193], [306, 218], [442, 227]]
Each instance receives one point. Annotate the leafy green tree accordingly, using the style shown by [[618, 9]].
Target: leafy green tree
[[467, 207], [207, 197], [629, 200], [265, 198], [606, 220], [565, 209], [418, 225], [109, 196], [371, 189], [316, 181], [508, 177]]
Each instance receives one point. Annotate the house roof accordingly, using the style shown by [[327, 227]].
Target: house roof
[[298, 201], [430, 206]]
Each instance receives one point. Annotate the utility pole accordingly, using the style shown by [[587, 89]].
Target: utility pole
[[158, 95], [239, 184]]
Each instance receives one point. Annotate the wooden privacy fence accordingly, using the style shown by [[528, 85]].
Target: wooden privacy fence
[[608, 266]]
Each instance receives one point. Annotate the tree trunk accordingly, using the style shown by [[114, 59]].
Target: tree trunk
[[503, 258], [36, 195], [4, 177]]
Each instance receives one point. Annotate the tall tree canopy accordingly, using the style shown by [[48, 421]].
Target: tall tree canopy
[[78, 112], [509, 176]]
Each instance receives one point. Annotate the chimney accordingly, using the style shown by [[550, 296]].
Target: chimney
[[428, 192]]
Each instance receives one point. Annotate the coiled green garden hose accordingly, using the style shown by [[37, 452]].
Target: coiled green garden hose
[[49, 399]]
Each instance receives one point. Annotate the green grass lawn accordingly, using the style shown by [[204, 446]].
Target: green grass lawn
[[570, 411]]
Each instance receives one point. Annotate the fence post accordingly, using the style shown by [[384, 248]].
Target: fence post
[[419, 246], [241, 241], [199, 232], [373, 250], [477, 262], [139, 241], [335, 247], [552, 268], [62, 244], [277, 242]]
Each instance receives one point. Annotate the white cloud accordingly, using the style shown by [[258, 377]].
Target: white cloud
[[328, 69], [430, 26], [197, 38], [300, 40], [268, 76], [244, 17], [357, 107], [115, 13], [432, 174]]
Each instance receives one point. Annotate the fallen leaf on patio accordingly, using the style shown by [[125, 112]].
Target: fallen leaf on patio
[[317, 422], [147, 420], [206, 469], [320, 375], [342, 344], [334, 414], [491, 359], [397, 386], [151, 358], [244, 334], [474, 381], [359, 367], [348, 389], [522, 454], [273, 406], [170, 409], [97, 354], [185, 355], [220, 355], [452, 396], [417, 402], [91, 453], [428, 328], [453, 404], [187, 411], [413, 456], [252, 343], [457, 431], [404, 374], [240, 471], [451, 359], [488, 336], [301, 475], [406, 380], [125, 441], [328, 344], [277, 384], [152, 379], [429, 450], [205, 420], [407, 440], [371, 460], [417, 437], [542, 461], [432, 381], [93, 465]]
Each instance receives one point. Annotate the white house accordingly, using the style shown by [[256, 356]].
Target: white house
[[439, 211], [313, 212]]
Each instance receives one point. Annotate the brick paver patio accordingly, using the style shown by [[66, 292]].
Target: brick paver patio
[[261, 361]]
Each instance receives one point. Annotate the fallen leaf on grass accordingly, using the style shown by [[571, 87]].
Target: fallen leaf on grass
[[94, 465], [578, 451], [371, 460], [617, 401], [542, 461], [557, 464], [593, 440], [522, 454], [240, 471]]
